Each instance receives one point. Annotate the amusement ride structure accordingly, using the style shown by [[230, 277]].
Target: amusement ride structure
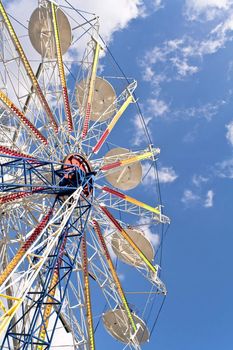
[[67, 224]]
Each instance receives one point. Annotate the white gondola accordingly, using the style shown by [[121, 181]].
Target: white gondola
[[126, 253], [117, 324], [103, 99], [128, 176], [41, 34]]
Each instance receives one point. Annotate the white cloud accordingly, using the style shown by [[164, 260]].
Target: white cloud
[[225, 169], [166, 174], [229, 134], [189, 197], [113, 16], [145, 225], [206, 9], [173, 59], [158, 4], [209, 201], [157, 107], [154, 108], [167, 55], [148, 73], [199, 179], [139, 130], [152, 6], [183, 68], [207, 111], [181, 57]]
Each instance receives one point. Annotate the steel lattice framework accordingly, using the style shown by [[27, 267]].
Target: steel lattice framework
[[65, 217]]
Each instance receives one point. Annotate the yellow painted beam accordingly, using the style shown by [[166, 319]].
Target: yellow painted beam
[[113, 122], [131, 200], [91, 90], [87, 294], [129, 239], [8, 103], [61, 67], [27, 66], [114, 274]]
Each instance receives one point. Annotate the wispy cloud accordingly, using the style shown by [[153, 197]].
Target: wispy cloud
[[198, 180], [173, 57], [158, 4], [139, 130], [224, 169], [206, 9], [153, 108], [190, 198], [209, 200], [160, 108], [206, 111], [157, 107], [182, 57], [145, 226], [165, 174], [229, 134], [153, 6]]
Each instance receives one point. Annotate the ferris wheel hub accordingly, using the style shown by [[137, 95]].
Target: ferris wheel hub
[[80, 177]]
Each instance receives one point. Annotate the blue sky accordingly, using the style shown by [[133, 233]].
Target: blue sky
[[181, 55], [180, 52]]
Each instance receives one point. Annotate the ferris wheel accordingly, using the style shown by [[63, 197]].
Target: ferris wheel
[[76, 259]]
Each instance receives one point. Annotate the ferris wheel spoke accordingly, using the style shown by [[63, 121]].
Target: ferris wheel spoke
[[10, 105], [155, 210], [115, 318], [87, 293], [14, 153], [91, 90], [117, 225], [128, 99], [114, 274], [32, 90], [27, 67], [131, 160], [106, 108], [6, 274], [61, 67], [114, 199], [133, 253], [18, 196], [109, 164]]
